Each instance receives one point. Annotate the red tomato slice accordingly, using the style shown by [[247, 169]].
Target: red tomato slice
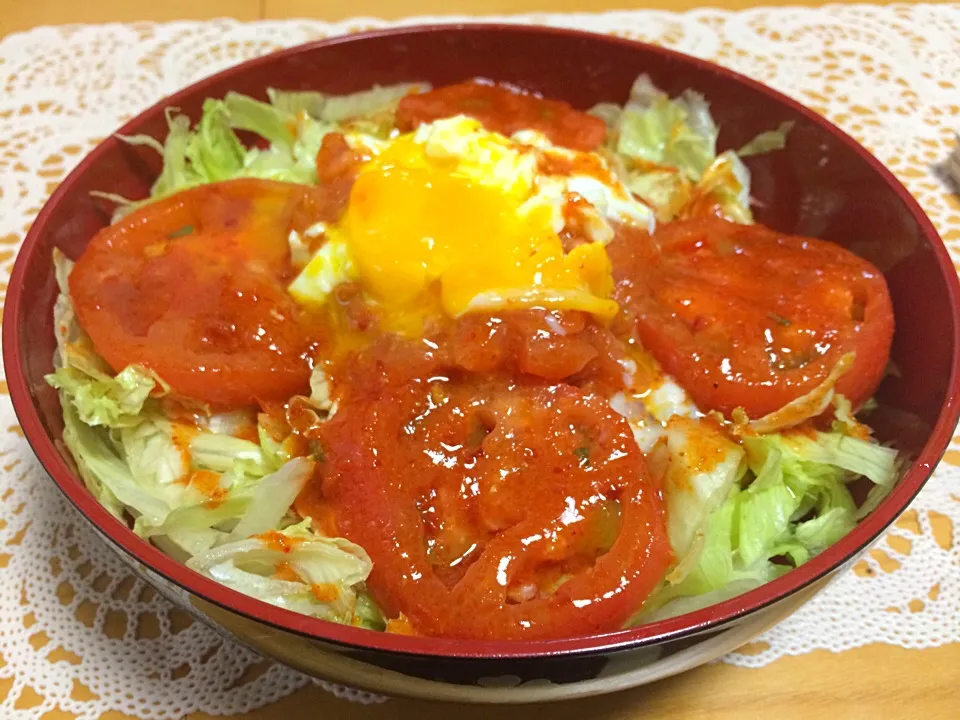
[[193, 287], [744, 316], [490, 510], [505, 110]]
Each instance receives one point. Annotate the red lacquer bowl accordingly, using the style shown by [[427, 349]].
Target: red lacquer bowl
[[823, 184]]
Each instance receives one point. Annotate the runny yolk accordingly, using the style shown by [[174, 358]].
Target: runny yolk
[[414, 221]]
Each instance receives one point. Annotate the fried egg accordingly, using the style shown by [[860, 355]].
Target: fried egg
[[475, 218]]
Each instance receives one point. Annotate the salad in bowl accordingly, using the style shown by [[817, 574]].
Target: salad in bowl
[[466, 362]]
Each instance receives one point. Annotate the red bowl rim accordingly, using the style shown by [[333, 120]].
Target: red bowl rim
[[670, 629]]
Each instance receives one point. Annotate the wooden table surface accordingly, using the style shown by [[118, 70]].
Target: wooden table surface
[[876, 682]]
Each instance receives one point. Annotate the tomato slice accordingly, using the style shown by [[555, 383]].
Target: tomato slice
[[194, 288], [744, 316], [504, 109], [490, 509]]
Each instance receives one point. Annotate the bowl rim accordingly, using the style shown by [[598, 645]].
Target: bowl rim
[[710, 618]]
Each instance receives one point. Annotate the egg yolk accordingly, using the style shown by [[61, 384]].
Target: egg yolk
[[415, 222]]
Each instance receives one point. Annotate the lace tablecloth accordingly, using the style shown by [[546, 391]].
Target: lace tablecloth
[[77, 632]]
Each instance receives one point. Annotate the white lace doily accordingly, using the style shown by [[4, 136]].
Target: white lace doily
[[78, 633]]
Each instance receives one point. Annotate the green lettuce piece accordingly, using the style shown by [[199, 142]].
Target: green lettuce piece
[[214, 151], [799, 498], [691, 492], [768, 141], [103, 465], [821, 532], [103, 400], [677, 133], [367, 103], [221, 453], [609, 113], [293, 123], [176, 174], [152, 453], [835, 450], [297, 101], [765, 510], [103, 471], [342, 108], [329, 572], [368, 614], [657, 188], [254, 501], [270, 122], [272, 497], [195, 515], [670, 147], [793, 504], [718, 574], [274, 453]]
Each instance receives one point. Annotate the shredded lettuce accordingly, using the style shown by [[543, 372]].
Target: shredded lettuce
[[272, 497], [200, 495], [274, 124], [718, 572], [703, 465], [724, 188], [175, 174], [292, 123], [103, 400], [670, 145], [768, 141], [342, 108], [225, 452], [309, 574], [678, 133], [297, 101], [368, 614], [793, 503]]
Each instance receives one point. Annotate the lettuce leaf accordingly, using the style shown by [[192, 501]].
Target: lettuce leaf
[[342, 108], [368, 614], [768, 141], [176, 174], [272, 497], [718, 574], [220, 453], [792, 504], [328, 573], [670, 150], [214, 151], [292, 123], [703, 465], [678, 133], [274, 124], [103, 400]]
